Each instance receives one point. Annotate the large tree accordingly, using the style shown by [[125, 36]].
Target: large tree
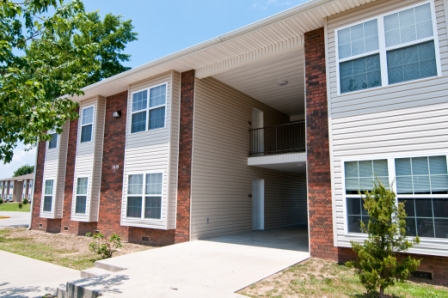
[[48, 52]]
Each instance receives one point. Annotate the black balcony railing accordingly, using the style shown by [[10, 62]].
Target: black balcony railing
[[283, 138]]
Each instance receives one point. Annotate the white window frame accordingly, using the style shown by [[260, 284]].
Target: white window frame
[[82, 125], [47, 195], [51, 132], [143, 195], [382, 50], [148, 108], [86, 195], [392, 181]]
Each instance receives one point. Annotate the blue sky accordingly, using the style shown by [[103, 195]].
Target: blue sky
[[165, 27]]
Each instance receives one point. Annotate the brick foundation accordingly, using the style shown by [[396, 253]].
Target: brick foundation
[[318, 156], [185, 152], [438, 266]]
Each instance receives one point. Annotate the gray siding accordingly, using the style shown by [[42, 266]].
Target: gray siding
[[89, 161], [151, 151], [400, 120], [54, 169], [221, 179]]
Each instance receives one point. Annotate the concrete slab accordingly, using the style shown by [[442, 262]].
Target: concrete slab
[[16, 219], [202, 268], [25, 277]]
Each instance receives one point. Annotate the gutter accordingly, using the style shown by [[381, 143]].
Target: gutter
[[214, 41]]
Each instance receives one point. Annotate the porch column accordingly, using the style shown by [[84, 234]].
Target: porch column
[[182, 233], [27, 189], [318, 153], [3, 189], [7, 189]]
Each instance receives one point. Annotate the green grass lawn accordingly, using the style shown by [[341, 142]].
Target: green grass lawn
[[14, 207], [319, 278]]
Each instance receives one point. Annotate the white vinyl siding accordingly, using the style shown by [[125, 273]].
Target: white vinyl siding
[[404, 119], [221, 178], [89, 157], [55, 169], [154, 151]]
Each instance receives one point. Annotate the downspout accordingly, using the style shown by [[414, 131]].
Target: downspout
[[34, 187]]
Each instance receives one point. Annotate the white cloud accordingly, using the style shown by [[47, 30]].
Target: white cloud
[[21, 157]]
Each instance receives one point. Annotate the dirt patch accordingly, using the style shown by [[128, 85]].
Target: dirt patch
[[62, 249]]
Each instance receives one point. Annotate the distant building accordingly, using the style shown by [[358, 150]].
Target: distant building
[[15, 189]]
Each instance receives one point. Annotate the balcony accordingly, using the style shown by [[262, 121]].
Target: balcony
[[283, 138]]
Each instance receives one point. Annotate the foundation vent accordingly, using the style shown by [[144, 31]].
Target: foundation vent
[[40, 226], [65, 228], [145, 239], [422, 275]]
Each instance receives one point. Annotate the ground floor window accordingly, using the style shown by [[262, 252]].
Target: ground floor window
[[48, 195], [81, 195], [144, 196], [420, 182]]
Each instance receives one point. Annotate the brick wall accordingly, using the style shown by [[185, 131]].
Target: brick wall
[[113, 155], [185, 151], [318, 156]]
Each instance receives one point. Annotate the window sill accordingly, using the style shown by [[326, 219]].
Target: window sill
[[342, 95]]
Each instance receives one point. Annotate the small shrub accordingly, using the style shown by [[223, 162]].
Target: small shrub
[[103, 246], [1, 201], [88, 234], [377, 258], [25, 201], [20, 205]]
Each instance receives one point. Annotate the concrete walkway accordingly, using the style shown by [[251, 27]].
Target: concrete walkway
[[25, 277], [202, 268], [16, 219]]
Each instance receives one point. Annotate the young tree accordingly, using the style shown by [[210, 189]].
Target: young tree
[[377, 262], [23, 170], [46, 58]]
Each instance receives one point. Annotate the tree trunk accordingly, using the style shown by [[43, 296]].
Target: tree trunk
[[381, 292]]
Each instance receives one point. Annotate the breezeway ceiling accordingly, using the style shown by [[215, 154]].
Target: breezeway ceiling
[[259, 80]]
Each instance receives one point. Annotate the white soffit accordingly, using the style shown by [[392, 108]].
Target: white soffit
[[274, 34], [259, 80]]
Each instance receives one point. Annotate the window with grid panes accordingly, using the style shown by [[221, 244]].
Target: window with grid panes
[[404, 42], [144, 199], [148, 109]]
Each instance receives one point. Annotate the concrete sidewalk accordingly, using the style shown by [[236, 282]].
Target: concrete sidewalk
[[24, 277], [202, 268], [16, 219]]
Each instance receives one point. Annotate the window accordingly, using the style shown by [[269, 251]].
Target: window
[[53, 143], [81, 195], [87, 124], [360, 176], [48, 195], [145, 196], [406, 47], [422, 184], [148, 113]]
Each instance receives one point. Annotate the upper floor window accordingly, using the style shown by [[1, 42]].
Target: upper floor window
[[53, 143], [87, 124], [389, 49], [148, 109]]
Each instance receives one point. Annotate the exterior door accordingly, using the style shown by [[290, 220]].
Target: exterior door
[[258, 204]]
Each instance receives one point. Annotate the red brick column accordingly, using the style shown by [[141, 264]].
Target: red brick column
[[318, 156], [185, 152], [112, 178]]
